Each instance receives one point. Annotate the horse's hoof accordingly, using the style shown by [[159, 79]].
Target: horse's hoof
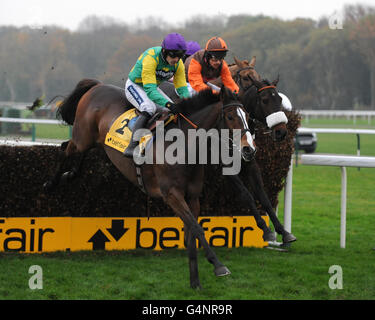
[[67, 176], [287, 238], [222, 271], [48, 186], [269, 237], [196, 286]]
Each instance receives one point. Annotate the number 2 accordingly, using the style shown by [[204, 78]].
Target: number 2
[[121, 130]]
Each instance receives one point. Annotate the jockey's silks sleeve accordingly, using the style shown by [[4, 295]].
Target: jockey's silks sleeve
[[149, 81], [179, 81], [195, 76], [227, 79]]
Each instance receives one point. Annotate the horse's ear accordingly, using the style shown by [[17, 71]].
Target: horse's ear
[[252, 61], [276, 81], [238, 62]]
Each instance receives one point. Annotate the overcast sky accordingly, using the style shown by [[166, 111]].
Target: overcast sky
[[69, 13]]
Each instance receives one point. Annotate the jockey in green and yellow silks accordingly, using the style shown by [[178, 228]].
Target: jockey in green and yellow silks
[[151, 69], [155, 65]]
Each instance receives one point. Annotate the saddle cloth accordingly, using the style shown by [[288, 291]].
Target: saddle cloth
[[120, 132]]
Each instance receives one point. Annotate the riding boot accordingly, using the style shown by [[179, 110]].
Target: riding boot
[[139, 124]]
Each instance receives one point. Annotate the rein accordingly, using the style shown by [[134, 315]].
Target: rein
[[220, 121], [222, 113], [188, 121]]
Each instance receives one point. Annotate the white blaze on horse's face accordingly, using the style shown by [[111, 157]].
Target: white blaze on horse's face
[[276, 118], [249, 138]]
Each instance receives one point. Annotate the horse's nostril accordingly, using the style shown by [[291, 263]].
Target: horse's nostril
[[248, 153], [280, 134], [247, 149]]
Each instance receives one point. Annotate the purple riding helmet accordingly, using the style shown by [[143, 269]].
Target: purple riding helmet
[[174, 42], [192, 47]]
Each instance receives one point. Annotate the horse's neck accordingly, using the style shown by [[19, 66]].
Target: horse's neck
[[207, 117], [249, 103]]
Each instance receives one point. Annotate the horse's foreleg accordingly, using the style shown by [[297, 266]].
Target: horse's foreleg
[[51, 184], [266, 204], [190, 242], [256, 183], [191, 245], [72, 174], [176, 201], [247, 201], [69, 149]]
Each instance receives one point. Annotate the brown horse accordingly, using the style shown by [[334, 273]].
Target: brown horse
[[263, 103], [92, 107], [261, 100]]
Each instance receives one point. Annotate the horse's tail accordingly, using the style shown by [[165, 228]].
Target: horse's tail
[[67, 109]]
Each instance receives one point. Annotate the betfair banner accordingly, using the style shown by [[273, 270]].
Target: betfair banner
[[36, 235]]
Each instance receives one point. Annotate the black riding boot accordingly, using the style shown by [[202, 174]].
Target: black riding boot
[[139, 124]]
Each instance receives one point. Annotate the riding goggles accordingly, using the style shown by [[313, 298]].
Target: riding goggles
[[176, 53], [217, 55]]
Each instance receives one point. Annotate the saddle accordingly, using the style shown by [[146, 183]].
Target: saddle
[[162, 115], [120, 132]]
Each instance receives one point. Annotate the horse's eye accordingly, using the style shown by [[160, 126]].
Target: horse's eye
[[229, 117], [265, 101]]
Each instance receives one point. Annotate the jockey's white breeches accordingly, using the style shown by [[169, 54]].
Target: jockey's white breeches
[[139, 99]]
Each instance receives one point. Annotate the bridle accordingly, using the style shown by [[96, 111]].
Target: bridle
[[221, 119], [239, 80]]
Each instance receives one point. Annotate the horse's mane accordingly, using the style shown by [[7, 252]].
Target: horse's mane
[[198, 102]]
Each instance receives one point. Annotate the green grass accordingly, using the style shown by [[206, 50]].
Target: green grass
[[342, 122], [301, 273], [50, 131], [43, 131], [339, 143]]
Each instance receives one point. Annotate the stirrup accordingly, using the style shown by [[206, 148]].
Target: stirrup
[[129, 151]]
